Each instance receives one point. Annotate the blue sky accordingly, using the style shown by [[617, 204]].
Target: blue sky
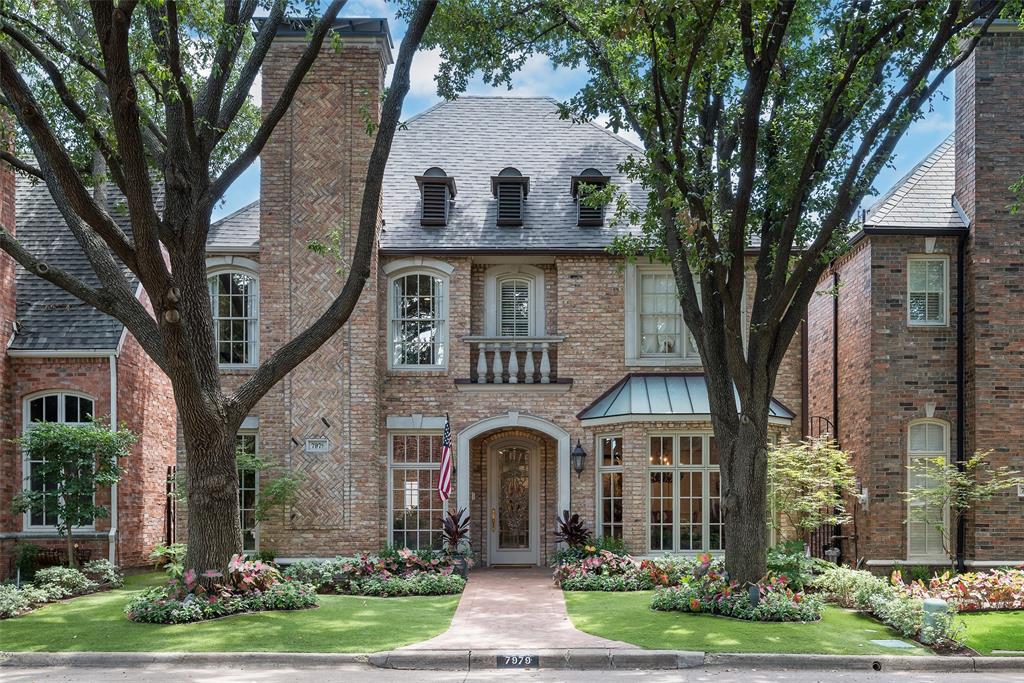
[[539, 78]]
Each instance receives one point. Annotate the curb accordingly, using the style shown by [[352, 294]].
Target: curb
[[596, 659]]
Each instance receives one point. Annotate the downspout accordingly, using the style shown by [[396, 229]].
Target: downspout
[[112, 534], [835, 355], [961, 419], [804, 372]]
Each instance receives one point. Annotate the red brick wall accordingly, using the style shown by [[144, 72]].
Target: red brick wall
[[990, 157]]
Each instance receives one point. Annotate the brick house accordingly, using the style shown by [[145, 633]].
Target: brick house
[[61, 360], [494, 302], [929, 356]]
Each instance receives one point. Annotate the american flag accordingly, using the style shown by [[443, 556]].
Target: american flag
[[444, 484]]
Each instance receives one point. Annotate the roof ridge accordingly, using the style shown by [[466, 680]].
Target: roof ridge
[[879, 211]]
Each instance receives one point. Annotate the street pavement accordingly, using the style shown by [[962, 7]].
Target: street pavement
[[359, 673]]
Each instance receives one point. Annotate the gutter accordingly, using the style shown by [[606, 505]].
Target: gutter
[[961, 419], [835, 356], [112, 534]]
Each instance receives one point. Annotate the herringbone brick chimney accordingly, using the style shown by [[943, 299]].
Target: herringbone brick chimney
[[312, 176]]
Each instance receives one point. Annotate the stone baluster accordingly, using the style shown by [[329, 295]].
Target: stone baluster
[[545, 364], [528, 365], [498, 369], [513, 363], [481, 363]]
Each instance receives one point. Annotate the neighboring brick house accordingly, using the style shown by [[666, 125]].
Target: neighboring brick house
[[61, 360], [920, 368]]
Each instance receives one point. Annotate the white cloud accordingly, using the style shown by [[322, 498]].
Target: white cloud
[[425, 65], [626, 133]]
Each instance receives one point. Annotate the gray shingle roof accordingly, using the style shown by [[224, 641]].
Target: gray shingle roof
[[238, 231], [923, 197], [675, 394], [472, 139], [48, 317]]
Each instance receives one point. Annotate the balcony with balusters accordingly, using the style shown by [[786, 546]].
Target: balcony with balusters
[[514, 364]]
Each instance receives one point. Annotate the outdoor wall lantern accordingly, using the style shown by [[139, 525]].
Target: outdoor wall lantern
[[579, 458]]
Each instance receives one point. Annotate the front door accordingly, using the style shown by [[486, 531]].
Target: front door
[[513, 528]]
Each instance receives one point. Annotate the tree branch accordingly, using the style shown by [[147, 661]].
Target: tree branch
[[20, 165]]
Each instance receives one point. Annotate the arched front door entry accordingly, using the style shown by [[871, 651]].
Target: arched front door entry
[[513, 524]]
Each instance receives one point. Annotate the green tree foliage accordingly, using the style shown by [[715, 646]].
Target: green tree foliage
[[807, 485], [764, 124], [946, 485], [74, 461]]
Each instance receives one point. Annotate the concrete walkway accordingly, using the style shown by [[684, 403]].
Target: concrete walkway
[[513, 609]]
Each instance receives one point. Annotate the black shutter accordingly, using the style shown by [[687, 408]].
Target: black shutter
[[510, 204], [435, 204], [589, 215]]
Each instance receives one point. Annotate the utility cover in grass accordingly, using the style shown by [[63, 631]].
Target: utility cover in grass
[[901, 644]]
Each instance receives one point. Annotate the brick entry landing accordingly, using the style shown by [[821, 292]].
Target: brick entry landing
[[512, 609]]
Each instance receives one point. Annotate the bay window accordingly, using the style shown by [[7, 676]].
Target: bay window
[[684, 494], [609, 468]]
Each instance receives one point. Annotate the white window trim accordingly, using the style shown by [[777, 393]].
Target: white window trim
[[419, 266], [703, 468], [392, 466], [26, 524], [928, 558], [492, 306], [243, 266], [632, 322], [605, 469], [944, 259], [256, 500]]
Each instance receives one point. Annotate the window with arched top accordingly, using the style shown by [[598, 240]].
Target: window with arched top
[[437, 191], [510, 188], [418, 315], [64, 407], [234, 302], [926, 440]]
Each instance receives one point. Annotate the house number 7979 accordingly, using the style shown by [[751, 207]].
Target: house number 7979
[[516, 661]]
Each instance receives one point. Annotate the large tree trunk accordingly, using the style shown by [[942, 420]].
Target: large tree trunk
[[214, 529], [744, 467]]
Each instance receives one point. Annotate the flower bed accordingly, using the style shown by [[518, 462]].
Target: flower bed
[[999, 589], [605, 570], [58, 583], [246, 586], [385, 575], [891, 604]]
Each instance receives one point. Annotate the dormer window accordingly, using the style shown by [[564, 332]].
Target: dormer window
[[510, 188], [437, 190], [582, 186]]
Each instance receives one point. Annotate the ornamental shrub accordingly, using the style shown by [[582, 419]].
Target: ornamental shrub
[[12, 601], [158, 606], [62, 582], [346, 575], [999, 589], [713, 594], [104, 572], [417, 584]]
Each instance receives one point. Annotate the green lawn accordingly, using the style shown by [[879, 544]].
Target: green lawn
[[342, 623], [987, 631], [628, 617]]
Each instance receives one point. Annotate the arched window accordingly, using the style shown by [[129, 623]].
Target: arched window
[[63, 407], [418, 317], [234, 300], [926, 440], [514, 301]]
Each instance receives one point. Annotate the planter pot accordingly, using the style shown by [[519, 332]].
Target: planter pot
[[461, 565]]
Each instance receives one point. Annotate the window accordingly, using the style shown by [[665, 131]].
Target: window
[[927, 439], [57, 407], [418, 318], [234, 300], [588, 216], [685, 494], [609, 472], [415, 509], [437, 190], [655, 331], [927, 285], [248, 492], [510, 188], [514, 301]]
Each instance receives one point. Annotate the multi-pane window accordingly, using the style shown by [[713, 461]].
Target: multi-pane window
[[235, 304], [685, 497], [661, 332], [416, 509], [927, 441], [514, 307], [609, 451], [248, 491], [926, 291], [417, 320], [67, 408]]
